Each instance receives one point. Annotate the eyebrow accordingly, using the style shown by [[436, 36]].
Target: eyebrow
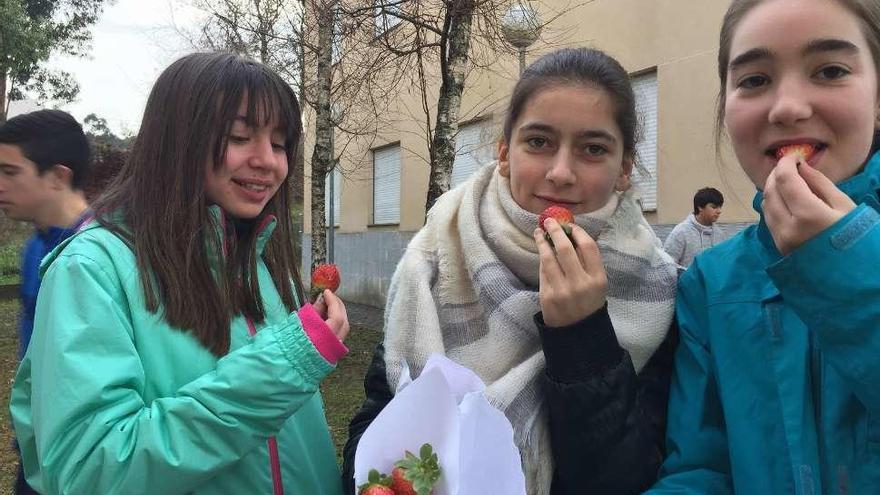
[[598, 134], [813, 47], [748, 57], [830, 45], [589, 134]]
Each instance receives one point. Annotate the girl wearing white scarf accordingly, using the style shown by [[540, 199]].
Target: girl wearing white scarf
[[566, 338]]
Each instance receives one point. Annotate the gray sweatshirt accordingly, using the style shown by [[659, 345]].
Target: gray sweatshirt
[[690, 238]]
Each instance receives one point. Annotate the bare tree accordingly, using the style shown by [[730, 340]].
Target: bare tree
[[443, 40], [293, 38]]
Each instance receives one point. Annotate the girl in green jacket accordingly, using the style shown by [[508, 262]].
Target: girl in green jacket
[[172, 352], [776, 388]]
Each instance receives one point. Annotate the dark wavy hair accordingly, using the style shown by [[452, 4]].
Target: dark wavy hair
[[158, 204], [707, 195]]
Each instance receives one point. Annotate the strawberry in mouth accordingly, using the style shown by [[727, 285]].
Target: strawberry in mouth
[[804, 151]]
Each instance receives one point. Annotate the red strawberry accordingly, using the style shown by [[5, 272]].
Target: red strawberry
[[803, 150], [416, 475], [400, 483], [377, 484], [559, 213], [562, 215], [376, 490], [325, 276]]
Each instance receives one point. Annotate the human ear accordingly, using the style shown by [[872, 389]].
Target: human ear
[[60, 176], [503, 158], [877, 106], [624, 180]]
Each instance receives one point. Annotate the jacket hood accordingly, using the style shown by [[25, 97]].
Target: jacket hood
[[706, 229]]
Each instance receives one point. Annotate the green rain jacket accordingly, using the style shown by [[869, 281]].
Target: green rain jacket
[[776, 388], [110, 399]]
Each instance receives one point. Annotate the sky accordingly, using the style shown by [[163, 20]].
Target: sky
[[133, 41]]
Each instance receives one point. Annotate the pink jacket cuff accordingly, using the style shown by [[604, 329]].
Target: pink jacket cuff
[[320, 334]]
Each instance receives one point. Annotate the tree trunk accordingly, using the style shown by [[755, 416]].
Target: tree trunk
[[449, 102], [3, 101], [299, 170], [322, 160]]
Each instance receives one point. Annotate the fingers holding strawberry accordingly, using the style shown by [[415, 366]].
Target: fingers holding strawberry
[[325, 281], [561, 214], [331, 307], [324, 276], [573, 283], [799, 201]]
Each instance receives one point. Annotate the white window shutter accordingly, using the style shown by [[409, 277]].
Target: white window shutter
[[473, 149], [384, 11], [645, 88], [386, 185]]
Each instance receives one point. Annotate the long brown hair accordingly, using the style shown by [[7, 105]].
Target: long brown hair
[[866, 11], [158, 204]]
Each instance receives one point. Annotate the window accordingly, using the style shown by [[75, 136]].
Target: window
[[474, 147], [337, 37], [645, 88], [386, 185], [336, 177], [384, 14]]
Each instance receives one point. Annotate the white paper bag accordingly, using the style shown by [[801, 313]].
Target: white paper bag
[[446, 407]]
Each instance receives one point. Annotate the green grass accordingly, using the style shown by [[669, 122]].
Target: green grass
[[10, 260], [8, 365], [343, 390]]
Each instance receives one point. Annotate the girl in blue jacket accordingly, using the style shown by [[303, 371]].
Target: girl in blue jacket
[[171, 350], [776, 386]]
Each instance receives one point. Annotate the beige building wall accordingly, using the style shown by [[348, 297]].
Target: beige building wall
[[675, 38]]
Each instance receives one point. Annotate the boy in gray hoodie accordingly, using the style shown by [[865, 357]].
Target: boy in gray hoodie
[[698, 231]]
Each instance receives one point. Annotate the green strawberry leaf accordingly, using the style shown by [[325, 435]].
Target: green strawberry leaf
[[423, 471], [426, 451], [375, 478]]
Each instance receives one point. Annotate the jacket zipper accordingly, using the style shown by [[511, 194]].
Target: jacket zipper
[[274, 461]]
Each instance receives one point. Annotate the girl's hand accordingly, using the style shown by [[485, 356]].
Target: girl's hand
[[332, 309], [573, 281], [800, 202]]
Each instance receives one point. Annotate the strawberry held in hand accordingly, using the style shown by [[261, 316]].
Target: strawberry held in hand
[[804, 151], [416, 475], [559, 213], [325, 276]]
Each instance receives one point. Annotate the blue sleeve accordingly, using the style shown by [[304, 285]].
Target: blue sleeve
[[31, 255], [833, 285], [696, 441]]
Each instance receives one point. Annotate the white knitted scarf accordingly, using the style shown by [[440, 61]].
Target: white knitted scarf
[[467, 286]]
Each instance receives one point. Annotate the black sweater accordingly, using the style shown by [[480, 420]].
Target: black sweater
[[607, 424]]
